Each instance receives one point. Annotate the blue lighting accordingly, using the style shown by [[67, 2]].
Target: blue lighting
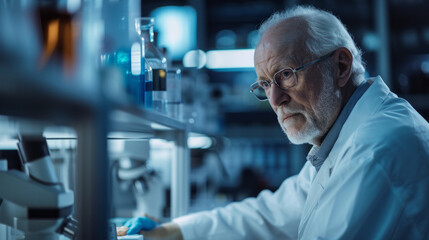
[[195, 58], [177, 29], [230, 59]]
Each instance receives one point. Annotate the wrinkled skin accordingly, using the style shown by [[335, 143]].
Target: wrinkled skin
[[308, 110]]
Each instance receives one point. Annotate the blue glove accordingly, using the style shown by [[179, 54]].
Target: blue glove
[[135, 225]]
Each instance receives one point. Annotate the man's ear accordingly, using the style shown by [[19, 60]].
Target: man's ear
[[343, 62]]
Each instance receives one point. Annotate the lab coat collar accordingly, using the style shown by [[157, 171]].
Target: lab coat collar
[[364, 108], [367, 105], [317, 156]]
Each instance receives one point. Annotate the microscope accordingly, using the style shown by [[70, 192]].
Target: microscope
[[32, 200], [134, 175]]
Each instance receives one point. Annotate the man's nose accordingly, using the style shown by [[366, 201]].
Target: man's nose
[[278, 96]]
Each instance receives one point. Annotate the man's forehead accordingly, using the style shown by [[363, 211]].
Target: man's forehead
[[262, 57], [284, 38], [286, 52]]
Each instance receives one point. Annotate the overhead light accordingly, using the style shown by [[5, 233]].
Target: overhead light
[[195, 59], [177, 28], [230, 59]]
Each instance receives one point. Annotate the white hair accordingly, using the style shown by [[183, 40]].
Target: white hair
[[326, 33]]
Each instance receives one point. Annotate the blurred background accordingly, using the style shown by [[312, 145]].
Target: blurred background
[[235, 145]]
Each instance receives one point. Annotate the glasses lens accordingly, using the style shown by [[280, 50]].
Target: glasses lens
[[258, 91], [285, 78]]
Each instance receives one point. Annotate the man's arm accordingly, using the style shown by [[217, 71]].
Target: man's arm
[[269, 216], [166, 231]]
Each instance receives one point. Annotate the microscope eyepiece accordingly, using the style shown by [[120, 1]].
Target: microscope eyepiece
[[32, 148]]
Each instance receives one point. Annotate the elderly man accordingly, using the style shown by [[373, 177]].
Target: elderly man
[[367, 175]]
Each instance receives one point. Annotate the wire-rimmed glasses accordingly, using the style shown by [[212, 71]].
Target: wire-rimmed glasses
[[284, 79]]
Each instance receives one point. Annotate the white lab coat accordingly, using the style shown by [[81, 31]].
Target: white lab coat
[[373, 185]]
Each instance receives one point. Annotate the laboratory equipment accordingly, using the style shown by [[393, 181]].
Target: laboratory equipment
[[133, 174], [123, 49], [59, 37], [148, 84], [157, 62], [37, 204], [174, 93]]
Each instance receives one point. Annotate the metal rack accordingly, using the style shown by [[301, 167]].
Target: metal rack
[[46, 101]]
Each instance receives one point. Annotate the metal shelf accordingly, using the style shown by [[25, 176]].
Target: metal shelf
[[40, 97], [131, 118], [43, 97], [92, 119]]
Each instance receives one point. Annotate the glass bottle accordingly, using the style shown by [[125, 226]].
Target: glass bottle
[[174, 93], [136, 78], [123, 50], [156, 61], [148, 84]]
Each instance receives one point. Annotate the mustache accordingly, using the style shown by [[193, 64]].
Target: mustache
[[283, 111]]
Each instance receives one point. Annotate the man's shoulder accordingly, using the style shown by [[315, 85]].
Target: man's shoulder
[[394, 130], [394, 121], [395, 137]]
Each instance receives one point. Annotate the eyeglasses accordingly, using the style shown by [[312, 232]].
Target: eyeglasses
[[284, 79]]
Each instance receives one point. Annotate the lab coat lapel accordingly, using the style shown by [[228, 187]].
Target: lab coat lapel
[[316, 189], [375, 95]]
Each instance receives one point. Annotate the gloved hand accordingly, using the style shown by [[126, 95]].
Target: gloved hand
[[135, 225]]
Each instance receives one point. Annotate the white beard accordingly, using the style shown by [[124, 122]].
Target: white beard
[[316, 125]]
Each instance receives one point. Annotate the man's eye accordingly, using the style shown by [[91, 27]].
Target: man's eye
[[264, 84], [286, 74]]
